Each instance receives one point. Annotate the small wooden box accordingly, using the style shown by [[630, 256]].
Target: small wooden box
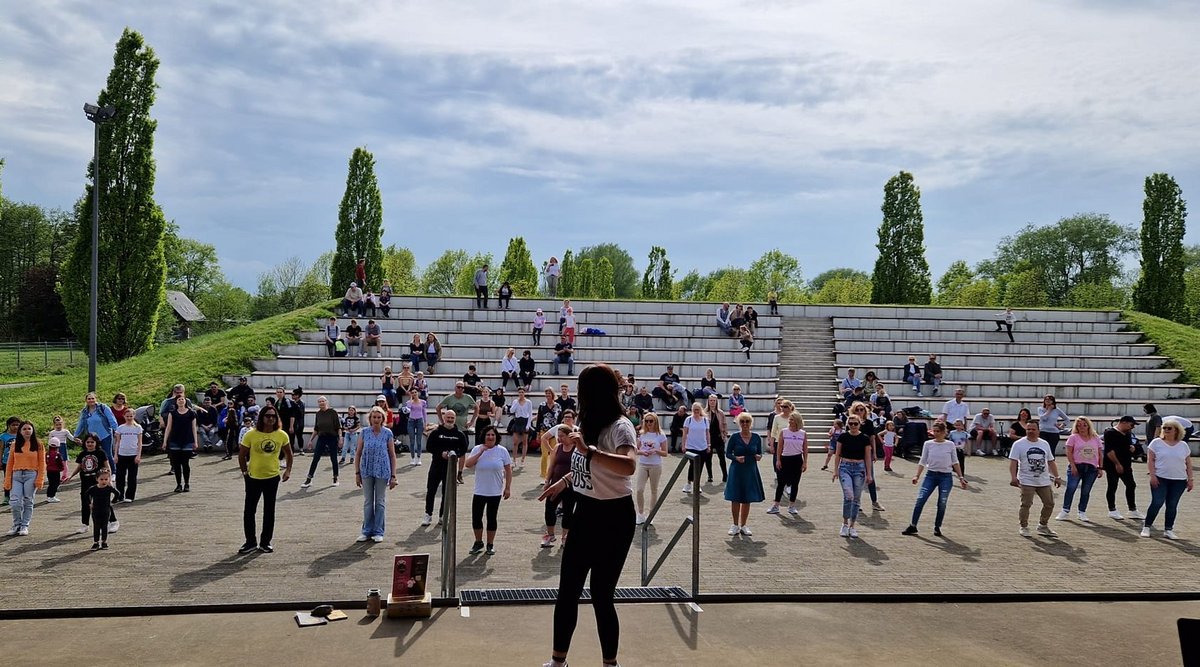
[[420, 608]]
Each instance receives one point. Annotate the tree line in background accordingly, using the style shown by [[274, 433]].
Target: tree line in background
[[44, 287]]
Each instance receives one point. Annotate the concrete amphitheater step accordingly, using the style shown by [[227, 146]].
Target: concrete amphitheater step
[[901, 347], [969, 325], [1045, 375], [521, 341], [1084, 391], [942, 335], [445, 383], [439, 317], [1008, 360], [404, 329]]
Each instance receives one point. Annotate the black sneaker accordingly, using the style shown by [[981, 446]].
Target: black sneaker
[[491, 550], [476, 548], [937, 532], [104, 545], [247, 548], [187, 487], [911, 530], [178, 488], [95, 546], [267, 548]]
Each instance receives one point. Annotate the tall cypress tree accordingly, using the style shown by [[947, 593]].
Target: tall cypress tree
[[901, 272], [518, 269], [132, 270], [568, 279], [603, 285], [1160, 289], [584, 285], [360, 226]]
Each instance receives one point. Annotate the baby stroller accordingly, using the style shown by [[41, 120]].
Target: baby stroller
[[152, 436]]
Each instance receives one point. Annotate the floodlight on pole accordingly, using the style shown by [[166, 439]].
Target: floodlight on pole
[[97, 115]]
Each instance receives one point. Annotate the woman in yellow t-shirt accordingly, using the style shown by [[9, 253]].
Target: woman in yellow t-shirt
[[258, 457]]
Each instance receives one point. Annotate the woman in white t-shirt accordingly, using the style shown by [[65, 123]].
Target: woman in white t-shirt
[[696, 438], [602, 528], [1170, 466], [493, 481], [553, 271], [129, 456], [791, 461], [652, 446]]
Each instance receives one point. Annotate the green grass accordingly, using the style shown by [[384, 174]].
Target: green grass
[[1178, 341], [148, 378]]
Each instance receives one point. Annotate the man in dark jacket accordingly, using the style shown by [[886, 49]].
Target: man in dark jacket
[[933, 374], [440, 442]]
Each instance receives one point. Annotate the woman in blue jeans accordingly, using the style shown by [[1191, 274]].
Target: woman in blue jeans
[[1169, 462], [1085, 451], [416, 408], [852, 466], [939, 460], [375, 473]]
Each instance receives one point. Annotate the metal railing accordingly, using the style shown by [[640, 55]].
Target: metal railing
[[25, 355], [689, 459], [450, 527]]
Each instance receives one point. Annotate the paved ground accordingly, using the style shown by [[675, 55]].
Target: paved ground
[[825, 634], [179, 548]]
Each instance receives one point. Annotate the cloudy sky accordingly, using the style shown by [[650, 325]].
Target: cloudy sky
[[718, 129]]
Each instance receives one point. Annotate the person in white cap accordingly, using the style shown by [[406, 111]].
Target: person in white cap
[[354, 301]]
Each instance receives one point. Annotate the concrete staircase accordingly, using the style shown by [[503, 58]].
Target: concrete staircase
[[806, 370]]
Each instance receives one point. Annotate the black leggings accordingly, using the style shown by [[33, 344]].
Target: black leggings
[[437, 477], [326, 445], [718, 453], [181, 465], [537, 336], [86, 504], [478, 504], [788, 475], [704, 458], [566, 500], [53, 479], [600, 538], [100, 526], [1110, 474], [1052, 440]]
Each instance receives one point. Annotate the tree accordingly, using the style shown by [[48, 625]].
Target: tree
[[901, 272], [130, 220], [817, 283], [1026, 290], [400, 267], [440, 276], [1087, 247], [726, 284], [656, 282], [360, 226], [956, 278], [1101, 295], [23, 232], [464, 283], [518, 269], [584, 283], [1191, 297], [976, 294], [854, 289], [625, 277], [1160, 290], [224, 306], [568, 278], [39, 313], [693, 287], [602, 283], [192, 266], [775, 270], [289, 285]]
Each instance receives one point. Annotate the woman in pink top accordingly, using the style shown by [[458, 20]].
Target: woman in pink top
[[791, 461], [1084, 450]]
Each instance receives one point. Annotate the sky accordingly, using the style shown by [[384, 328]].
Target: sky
[[716, 129]]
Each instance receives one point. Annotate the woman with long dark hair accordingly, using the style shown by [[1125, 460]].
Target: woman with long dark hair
[[258, 458], [602, 468], [24, 476], [180, 443]]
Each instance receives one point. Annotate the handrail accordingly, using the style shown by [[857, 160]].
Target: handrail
[[450, 527], [690, 458]]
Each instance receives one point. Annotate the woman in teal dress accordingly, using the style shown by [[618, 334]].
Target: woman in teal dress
[[745, 486]]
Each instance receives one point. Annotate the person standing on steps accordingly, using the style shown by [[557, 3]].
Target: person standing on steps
[[258, 458], [1118, 465], [443, 440], [553, 271], [1006, 320], [1033, 469], [773, 301], [481, 287], [360, 272], [602, 527], [939, 461], [539, 323], [324, 440]]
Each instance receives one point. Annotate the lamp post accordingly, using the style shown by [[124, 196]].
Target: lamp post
[[98, 115]]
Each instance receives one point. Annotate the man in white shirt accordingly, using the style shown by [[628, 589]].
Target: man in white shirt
[[353, 302], [723, 320], [1032, 468], [956, 409], [984, 428], [1006, 319], [849, 383]]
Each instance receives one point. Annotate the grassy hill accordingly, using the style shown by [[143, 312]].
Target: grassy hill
[[1178, 341], [148, 378]]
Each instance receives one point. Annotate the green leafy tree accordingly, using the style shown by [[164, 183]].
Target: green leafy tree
[[224, 306], [1160, 290], [568, 278], [289, 285], [518, 268], [439, 277], [855, 289], [360, 226], [1191, 297], [817, 283], [1099, 295], [1026, 290], [130, 221], [775, 270], [692, 287], [23, 235], [192, 266], [977, 294], [464, 283], [400, 267], [901, 272], [657, 281], [1087, 247], [584, 284], [956, 278], [602, 282], [625, 277], [726, 285], [39, 314]]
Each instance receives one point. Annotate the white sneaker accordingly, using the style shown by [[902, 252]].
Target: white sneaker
[[733, 530], [1134, 514], [1116, 515], [787, 490], [14, 530], [845, 531], [1145, 531], [335, 483], [306, 484], [83, 528], [793, 511], [377, 538], [54, 499], [114, 526], [978, 452], [1025, 531], [773, 509], [640, 520], [687, 488], [1169, 534], [363, 538], [127, 500], [1063, 516], [418, 461], [1047, 531], [427, 520], [1083, 517], [853, 533], [746, 531], [25, 531]]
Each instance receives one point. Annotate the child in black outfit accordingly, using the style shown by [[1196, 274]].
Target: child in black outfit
[[101, 497], [90, 462]]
